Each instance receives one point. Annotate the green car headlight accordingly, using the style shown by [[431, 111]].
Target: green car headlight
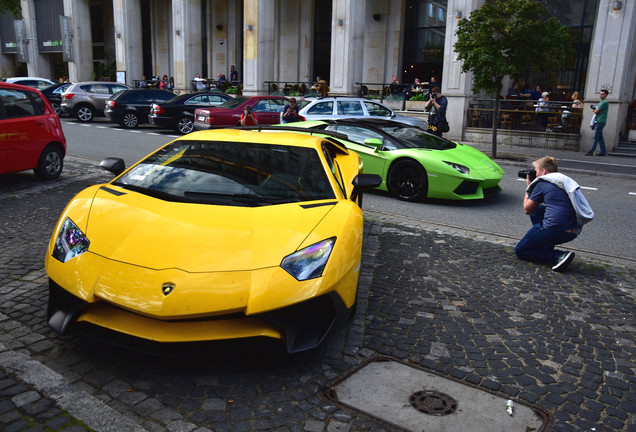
[[309, 263], [70, 242], [461, 168]]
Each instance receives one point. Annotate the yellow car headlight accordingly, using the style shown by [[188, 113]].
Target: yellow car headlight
[[308, 263], [70, 242]]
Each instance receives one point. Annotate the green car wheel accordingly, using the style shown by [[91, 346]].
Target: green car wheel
[[407, 181]]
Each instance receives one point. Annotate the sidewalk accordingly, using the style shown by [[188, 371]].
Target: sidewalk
[[614, 166]]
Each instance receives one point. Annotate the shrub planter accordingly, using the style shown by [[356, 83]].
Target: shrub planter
[[415, 105]]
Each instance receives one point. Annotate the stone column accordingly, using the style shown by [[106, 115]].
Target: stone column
[[37, 64], [347, 43], [186, 41], [128, 50], [611, 67], [259, 20], [295, 41], [161, 30], [456, 85], [81, 68]]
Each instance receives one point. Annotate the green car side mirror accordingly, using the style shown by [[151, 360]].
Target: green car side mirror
[[373, 142]]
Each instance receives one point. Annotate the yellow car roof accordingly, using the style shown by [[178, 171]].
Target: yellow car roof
[[295, 139]]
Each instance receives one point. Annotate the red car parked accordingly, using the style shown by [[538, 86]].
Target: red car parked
[[267, 110], [31, 135]]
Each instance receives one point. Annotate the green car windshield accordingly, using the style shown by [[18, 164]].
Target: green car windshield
[[413, 137], [230, 173]]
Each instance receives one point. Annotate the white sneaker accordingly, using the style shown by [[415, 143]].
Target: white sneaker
[[564, 261]]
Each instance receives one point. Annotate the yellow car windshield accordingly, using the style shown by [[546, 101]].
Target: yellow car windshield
[[230, 173]]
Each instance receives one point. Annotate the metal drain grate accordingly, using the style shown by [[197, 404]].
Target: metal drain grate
[[433, 402]]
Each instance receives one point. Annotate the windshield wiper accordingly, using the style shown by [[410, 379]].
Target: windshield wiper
[[238, 197], [152, 192]]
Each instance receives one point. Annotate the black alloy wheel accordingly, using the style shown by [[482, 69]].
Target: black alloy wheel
[[407, 181]]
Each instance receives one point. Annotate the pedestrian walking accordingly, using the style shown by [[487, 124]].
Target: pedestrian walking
[[601, 119]]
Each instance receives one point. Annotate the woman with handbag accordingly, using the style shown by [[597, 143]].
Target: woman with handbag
[[437, 123]]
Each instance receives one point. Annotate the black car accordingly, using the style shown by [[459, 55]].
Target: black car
[[54, 94], [178, 113], [130, 108]]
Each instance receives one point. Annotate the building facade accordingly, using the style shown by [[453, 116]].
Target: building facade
[[349, 43]]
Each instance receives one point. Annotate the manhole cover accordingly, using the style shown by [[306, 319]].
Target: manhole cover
[[433, 402]]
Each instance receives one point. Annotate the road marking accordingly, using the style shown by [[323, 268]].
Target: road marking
[[631, 193], [589, 188]]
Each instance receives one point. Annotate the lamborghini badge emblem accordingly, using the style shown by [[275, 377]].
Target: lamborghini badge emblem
[[167, 288]]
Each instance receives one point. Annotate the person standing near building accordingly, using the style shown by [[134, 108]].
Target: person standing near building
[[601, 118], [233, 75], [436, 105]]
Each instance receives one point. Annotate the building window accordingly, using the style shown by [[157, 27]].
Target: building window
[[424, 35]]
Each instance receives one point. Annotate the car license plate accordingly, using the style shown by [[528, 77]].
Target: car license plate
[[200, 118]]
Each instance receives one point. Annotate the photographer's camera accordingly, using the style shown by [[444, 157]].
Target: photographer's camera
[[528, 172]]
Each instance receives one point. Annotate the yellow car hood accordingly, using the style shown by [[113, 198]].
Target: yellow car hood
[[137, 229]]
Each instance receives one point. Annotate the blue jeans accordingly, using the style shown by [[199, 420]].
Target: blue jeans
[[598, 138], [538, 243]]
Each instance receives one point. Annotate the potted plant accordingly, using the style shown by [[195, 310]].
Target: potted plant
[[416, 103]]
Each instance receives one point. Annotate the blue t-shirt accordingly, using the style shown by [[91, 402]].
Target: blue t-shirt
[[559, 212]]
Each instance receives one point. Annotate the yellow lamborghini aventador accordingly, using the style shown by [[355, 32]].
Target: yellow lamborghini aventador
[[219, 235]]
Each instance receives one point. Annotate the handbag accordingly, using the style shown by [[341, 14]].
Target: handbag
[[593, 122], [443, 126]]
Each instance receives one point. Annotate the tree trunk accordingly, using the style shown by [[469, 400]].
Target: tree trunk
[[495, 120]]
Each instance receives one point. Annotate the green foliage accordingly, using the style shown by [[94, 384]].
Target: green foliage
[[12, 6], [507, 37], [107, 68], [419, 97]]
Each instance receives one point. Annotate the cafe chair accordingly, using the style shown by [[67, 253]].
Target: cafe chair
[[506, 121], [478, 120], [553, 124], [527, 124]]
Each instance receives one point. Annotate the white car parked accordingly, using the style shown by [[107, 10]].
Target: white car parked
[[35, 82], [332, 108]]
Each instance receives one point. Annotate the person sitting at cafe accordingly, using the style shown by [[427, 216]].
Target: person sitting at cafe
[[417, 86], [513, 91], [220, 79], [542, 108], [536, 93], [577, 107], [199, 83], [395, 88]]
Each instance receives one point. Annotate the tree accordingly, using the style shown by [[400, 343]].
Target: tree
[[505, 38], [12, 6]]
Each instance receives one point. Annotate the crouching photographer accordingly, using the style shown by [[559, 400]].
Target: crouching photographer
[[558, 210]]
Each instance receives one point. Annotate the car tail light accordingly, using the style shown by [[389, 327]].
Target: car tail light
[[156, 109], [204, 116], [110, 104], [68, 96]]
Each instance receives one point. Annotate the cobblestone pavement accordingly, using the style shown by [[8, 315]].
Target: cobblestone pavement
[[459, 305]]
